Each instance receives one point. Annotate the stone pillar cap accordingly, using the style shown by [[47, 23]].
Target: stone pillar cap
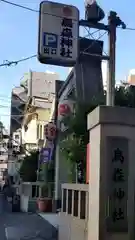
[[111, 115]]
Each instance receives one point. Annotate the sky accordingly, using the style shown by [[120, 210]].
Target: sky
[[19, 31]]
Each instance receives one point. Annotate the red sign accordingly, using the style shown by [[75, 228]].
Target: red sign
[[67, 11], [50, 131], [64, 109]]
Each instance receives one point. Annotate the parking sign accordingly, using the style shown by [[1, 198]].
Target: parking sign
[[50, 40], [58, 34]]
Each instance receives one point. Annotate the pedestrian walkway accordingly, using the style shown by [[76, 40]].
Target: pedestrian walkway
[[19, 226]]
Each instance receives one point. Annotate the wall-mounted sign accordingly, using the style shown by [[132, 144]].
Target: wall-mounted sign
[[45, 155], [65, 108], [65, 111], [58, 34]]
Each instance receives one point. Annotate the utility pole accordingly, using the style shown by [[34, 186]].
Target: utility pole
[[113, 22]]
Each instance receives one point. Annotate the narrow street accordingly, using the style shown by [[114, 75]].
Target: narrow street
[[2, 227], [16, 226]]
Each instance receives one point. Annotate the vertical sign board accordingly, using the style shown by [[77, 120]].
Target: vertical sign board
[[45, 155], [117, 160], [58, 34], [88, 163]]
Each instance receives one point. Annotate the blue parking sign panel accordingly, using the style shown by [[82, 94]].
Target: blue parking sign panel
[[50, 40]]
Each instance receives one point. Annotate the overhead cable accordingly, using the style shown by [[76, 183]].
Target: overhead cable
[[37, 11]]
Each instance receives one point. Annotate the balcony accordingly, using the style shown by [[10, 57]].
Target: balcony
[[74, 212]]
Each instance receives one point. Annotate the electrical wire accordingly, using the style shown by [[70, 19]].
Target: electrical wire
[[30, 9], [91, 45], [21, 115], [15, 101], [20, 6], [127, 28], [37, 11], [91, 35], [9, 63]]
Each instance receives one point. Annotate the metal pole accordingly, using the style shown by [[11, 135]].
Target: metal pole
[[110, 98]]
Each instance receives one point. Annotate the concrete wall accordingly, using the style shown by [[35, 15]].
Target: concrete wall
[[61, 173], [72, 224], [43, 114], [107, 123], [13, 166], [30, 136], [4, 157], [72, 228], [3, 167], [40, 83]]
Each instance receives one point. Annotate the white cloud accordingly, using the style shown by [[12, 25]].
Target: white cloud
[[70, 69], [51, 72], [132, 72]]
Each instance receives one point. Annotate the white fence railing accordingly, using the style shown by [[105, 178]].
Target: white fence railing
[[75, 200], [35, 189]]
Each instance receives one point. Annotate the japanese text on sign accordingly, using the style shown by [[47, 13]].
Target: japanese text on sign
[[118, 175], [66, 40]]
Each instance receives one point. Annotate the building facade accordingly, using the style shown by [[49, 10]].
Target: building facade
[[4, 153], [30, 106], [84, 84]]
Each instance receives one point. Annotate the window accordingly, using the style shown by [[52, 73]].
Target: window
[[16, 137], [4, 145], [2, 152], [40, 131], [38, 127]]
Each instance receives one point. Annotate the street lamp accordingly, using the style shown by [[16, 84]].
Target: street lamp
[[93, 12]]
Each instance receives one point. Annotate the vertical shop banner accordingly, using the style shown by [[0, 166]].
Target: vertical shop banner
[[45, 155]]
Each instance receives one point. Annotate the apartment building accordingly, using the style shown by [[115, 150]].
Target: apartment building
[[33, 127], [4, 153], [41, 92]]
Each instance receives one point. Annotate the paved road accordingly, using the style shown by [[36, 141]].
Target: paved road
[[2, 228], [17, 225], [3, 216]]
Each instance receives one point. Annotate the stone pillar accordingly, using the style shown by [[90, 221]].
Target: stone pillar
[[112, 173]]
